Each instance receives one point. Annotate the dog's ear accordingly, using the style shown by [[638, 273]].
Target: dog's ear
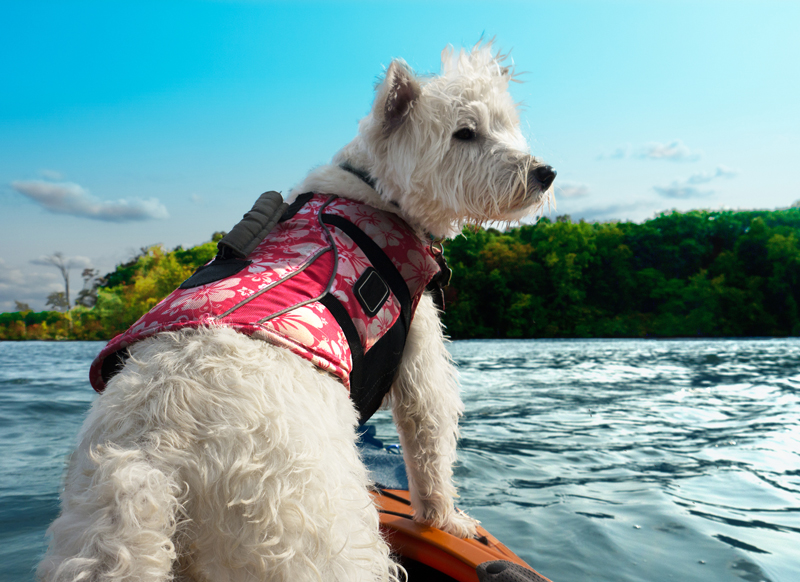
[[396, 95]]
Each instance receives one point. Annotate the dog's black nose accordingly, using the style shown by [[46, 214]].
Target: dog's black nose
[[545, 176]]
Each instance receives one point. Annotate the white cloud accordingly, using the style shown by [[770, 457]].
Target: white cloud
[[10, 276], [31, 286], [197, 199], [572, 190], [676, 190], [632, 210], [51, 174], [618, 154], [705, 177], [675, 151], [685, 188], [72, 199]]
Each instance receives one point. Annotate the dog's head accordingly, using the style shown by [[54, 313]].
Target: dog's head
[[448, 149]]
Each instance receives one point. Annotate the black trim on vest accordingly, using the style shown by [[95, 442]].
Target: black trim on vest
[[216, 270], [295, 206], [113, 363], [350, 333], [381, 364], [379, 260], [374, 372]]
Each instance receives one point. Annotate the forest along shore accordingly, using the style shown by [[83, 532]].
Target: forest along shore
[[692, 274]]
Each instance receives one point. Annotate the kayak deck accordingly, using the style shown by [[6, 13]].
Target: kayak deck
[[433, 555], [429, 554]]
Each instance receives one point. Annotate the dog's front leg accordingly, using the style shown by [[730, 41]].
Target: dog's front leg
[[426, 407]]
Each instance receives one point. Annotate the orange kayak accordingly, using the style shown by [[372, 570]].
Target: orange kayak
[[432, 555], [429, 554]]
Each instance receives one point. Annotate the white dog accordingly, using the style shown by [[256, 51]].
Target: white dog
[[213, 456]]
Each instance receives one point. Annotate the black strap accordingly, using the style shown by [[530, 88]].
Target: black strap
[[295, 206], [379, 260], [350, 333], [365, 177], [216, 270], [440, 281], [374, 371]]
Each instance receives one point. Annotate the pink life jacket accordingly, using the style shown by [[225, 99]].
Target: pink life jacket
[[336, 282]]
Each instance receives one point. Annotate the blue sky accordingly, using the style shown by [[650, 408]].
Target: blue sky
[[124, 124]]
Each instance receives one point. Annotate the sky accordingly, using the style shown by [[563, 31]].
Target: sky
[[127, 124]]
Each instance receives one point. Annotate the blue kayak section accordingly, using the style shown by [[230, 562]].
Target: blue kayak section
[[385, 463]]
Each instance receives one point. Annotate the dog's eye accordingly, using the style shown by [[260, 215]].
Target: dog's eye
[[465, 134]]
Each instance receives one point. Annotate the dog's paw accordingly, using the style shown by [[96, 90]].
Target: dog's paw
[[456, 523]]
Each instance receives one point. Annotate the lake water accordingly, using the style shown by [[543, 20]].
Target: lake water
[[593, 460]]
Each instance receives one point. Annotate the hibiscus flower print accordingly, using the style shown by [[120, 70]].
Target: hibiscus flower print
[[203, 297], [340, 294], [383, 231], [381, 227], [264, 258], [387, 238], [334, 346], [352, 260], [263, 279], [301, 324], [419, 269], [144, 327], [305, 248], [363, 217], [288, 235], [246, 291]]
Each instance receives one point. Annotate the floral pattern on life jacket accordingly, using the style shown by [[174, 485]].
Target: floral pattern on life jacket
[[276, 297]]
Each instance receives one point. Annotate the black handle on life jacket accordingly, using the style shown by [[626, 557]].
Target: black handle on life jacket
[[253, 227]]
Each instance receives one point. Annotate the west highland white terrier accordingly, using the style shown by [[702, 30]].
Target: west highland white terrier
[[213, 456]]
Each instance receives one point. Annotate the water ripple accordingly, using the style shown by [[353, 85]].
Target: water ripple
[[624, 460], [682, 437]]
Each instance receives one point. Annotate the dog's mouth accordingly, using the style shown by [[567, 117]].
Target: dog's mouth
[[525, 192]]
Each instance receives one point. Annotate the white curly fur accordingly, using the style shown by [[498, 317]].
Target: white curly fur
[[215, 457]]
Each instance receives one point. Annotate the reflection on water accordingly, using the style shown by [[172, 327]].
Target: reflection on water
[[594, 460], [636, 460]]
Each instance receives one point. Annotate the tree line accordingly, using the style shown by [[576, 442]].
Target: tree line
[[692, 274], [113, 302]]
